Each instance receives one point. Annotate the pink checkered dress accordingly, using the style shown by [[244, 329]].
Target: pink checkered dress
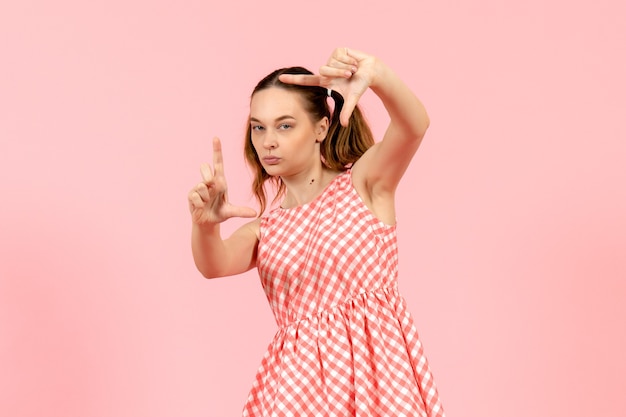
[[346, 344]]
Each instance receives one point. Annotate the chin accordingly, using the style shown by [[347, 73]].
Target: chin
[[272, 171]]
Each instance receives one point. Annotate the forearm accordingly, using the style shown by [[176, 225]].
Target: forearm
[[209, 250], [407, 113]]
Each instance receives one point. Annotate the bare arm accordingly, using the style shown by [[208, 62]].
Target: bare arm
[[384, 165], [216, 257], [379, 171], [209, 206]]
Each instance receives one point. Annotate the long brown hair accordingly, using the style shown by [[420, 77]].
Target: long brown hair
[[343, 145]]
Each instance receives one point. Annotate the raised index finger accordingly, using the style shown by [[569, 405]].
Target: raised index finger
[[218, 161]]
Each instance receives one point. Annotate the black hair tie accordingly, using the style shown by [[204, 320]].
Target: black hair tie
[[338, 98]]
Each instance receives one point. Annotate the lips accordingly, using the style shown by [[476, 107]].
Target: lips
[[271, 160]]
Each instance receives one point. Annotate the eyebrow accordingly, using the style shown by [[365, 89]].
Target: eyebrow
[[278, 119]]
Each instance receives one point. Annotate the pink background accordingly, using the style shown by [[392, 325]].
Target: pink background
[[512, 224]]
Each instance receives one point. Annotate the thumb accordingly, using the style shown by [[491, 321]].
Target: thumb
[[347, 109], [358, 88], [240, 211]]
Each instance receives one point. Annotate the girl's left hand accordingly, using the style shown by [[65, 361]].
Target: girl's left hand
[[347, 71]]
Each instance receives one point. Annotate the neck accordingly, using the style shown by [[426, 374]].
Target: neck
[[306, 186]]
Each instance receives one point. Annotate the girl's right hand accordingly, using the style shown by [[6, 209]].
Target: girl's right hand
[[208, 201]]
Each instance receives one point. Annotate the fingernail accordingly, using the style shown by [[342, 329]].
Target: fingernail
[[348, 74]]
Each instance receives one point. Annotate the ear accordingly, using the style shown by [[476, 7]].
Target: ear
[[321, 129]]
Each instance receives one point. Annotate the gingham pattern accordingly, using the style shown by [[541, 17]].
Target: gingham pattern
[[346, 344]]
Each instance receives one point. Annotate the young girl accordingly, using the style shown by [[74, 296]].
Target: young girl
[[327, 257]]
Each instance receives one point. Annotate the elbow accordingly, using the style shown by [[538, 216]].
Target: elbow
[[206, 275], [420, 131], [423, 126], [415, 129], [207, 271], [417, 133]]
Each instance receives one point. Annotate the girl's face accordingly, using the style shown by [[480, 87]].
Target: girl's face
[[282, 133]]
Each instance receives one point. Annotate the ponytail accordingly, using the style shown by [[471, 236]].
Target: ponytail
[[344, 145]]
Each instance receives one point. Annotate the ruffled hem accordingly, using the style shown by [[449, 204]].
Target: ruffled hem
[[361, 358]]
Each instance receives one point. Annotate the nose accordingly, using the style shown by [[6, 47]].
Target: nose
[[269, 140]]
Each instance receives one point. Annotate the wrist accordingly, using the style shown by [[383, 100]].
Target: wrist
[[207, 227], [380, 76]]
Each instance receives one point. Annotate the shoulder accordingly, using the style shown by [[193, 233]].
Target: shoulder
[[250, 229]]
